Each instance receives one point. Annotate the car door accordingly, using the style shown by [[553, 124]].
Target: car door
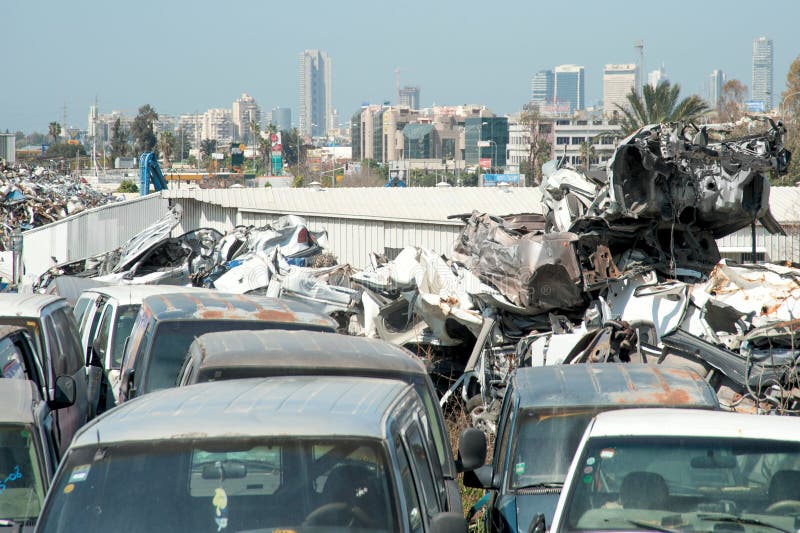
[[67, 360]]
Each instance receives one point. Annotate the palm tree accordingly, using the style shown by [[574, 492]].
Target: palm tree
[[54, 130], [166, 145], [658, 105]]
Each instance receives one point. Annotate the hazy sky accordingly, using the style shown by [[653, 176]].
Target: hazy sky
[[187, 56]]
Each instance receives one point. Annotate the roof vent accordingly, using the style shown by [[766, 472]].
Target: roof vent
[[315, 185], [503, 186], [443, 185]]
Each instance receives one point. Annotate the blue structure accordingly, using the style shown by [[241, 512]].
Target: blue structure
[[149, 170]]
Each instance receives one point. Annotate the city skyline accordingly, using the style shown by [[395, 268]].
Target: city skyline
[[188, 70]]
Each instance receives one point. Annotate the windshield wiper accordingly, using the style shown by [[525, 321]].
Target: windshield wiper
[[649, 526], [542, 485], [743, 521]]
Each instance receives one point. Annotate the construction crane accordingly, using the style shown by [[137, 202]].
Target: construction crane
[[150, 171]]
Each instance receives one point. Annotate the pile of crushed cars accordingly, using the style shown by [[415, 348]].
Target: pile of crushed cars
[[33, 196], [623, 268]]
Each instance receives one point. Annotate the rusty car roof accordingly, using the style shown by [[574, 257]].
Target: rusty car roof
[[303, 351], [609, 384], [276, 406], [213, 305]]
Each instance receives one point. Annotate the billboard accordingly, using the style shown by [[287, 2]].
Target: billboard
[[485, 162], [491, 180], [754, 106], [237, 155], [276, 156]]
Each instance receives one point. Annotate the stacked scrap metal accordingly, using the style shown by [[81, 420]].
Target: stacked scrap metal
[[32, 197]]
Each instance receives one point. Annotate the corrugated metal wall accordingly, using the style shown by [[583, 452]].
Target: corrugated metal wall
[[352, 240], [776, 247], [89, 233]]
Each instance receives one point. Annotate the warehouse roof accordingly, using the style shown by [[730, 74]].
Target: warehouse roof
[[415, 204]]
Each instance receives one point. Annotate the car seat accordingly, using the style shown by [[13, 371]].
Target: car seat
[[643, 490]]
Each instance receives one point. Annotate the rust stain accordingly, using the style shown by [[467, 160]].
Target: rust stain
[[274, 315], [666, 397]]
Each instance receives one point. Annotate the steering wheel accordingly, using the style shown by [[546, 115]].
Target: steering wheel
[[338, 514], [784, 507]]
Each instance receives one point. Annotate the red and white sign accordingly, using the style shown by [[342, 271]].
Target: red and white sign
[[485, 162]]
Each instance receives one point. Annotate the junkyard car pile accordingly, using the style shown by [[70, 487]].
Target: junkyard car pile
[[31, 197]]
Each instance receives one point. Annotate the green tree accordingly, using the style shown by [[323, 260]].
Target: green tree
[[166, 145], [119, 140], [64, 150], [289, 141], [128, 186], [54, 130], [658, 105], [790, 113], [143, 131]]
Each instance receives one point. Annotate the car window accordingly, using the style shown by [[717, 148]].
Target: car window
[[95, 318], [103, 332], [126, 317], [66, 330], [409, 488], [421, 464], [80, 308], [12, 364], [136, 336], [58, 364], [435, 423]]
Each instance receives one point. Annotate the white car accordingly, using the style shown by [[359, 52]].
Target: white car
[[680, 470]]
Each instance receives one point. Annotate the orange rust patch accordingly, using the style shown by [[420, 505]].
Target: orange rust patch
[[272, 315]]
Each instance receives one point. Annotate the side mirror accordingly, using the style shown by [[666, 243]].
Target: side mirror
[[126, 386], [480, 478], [64, 395], [471, 450], [537, 524], [448, 523]]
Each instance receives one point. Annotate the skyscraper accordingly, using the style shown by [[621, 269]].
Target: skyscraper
[[542, 87], [762, 72], [409, 96], [568, 86], [618, 81], [282, 118], [245, 110], [654, 77], [315, 93], [715, 81]]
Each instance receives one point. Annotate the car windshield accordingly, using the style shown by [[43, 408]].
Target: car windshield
[[126, 317], [685, 484], [544, 444], [283, 484], [21, 487], [173, 338]]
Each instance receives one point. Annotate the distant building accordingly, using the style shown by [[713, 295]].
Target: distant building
[[217, 126], [409, 97], [480, 129], [542, 87], [281, 118], [244, 111], [190, 129], [571, 134], [568, 86], [715, 82], [165, 123], [91, 131], [654, 77], [315, 93], [762, 72], [618, 81], [8, 147]]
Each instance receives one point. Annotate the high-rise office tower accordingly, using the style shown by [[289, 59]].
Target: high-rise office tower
[[568, 86], [282, 118], [762, 72], [409, 96], [315, 93], [715, 82], [618, 82], [542, 87]]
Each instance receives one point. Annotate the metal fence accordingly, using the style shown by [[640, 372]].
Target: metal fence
[[88, 233]]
